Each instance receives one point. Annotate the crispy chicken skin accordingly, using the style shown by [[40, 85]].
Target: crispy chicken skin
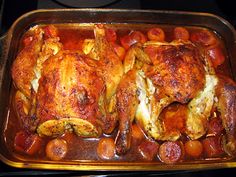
[[127, 102], [178, 72], [90, 91], [23, 65], [26, 71], [176, 75], [66, 90], [109, 65], [226, 105], [69, 88], [110, 68]]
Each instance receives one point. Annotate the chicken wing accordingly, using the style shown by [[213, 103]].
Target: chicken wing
[[26, 72], [23, 65], [110, 68], [109, 65]]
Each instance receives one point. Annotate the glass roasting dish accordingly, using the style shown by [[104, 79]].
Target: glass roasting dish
[[9, 47]]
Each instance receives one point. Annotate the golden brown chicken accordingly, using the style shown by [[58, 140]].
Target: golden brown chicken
[[109, 67], [26, 71], [66, 90], [177, 74], [127, 102], [226, 105], [177, 71], [23, 65], [88, 91], [70, 90], [180, 72]]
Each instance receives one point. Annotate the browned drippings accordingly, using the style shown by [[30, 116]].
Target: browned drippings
[[80, 148]]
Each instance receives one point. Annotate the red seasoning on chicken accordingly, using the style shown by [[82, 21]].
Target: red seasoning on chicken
[[123, 95]]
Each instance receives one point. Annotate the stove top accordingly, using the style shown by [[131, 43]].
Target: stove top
[[10, 10]]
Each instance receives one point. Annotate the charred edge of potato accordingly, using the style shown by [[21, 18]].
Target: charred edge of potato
[[54, 128]]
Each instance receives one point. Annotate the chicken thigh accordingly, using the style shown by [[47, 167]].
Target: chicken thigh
[[23, 65], [226, 105], [26, 71], [109, 67]]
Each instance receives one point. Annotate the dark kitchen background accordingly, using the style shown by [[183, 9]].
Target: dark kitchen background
[[10, 10]]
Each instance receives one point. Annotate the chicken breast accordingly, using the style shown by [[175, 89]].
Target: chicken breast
[[69, 89]]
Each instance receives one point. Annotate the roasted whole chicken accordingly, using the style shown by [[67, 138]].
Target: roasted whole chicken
[[159, 73], [109, 85], [65, 90]]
